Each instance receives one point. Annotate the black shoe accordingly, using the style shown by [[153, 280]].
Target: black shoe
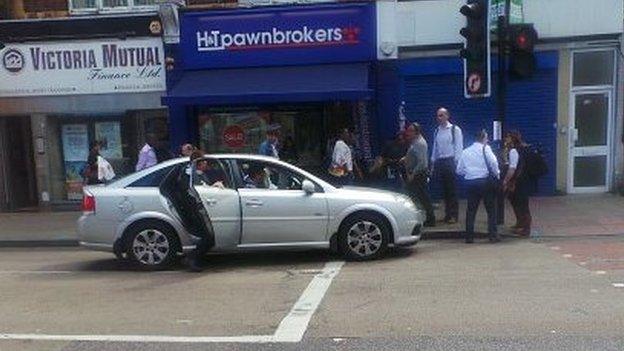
[[469, 240], [495, 240], [194, 265]]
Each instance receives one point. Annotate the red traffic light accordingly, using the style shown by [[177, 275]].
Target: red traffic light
[[523, 37]]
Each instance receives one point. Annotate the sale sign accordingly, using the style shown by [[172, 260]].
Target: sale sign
[[234, 136]]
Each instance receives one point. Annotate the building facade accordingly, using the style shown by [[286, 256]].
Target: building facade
[[66, 83], [571, 106], [307, 68]]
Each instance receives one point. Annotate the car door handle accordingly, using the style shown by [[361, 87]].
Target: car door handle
[[210, 202], [253, 203]]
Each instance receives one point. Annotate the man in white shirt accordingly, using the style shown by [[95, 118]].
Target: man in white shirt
[[448, 144], [479, 167], [342, 159]]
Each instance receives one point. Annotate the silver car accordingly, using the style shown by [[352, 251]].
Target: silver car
[[140, 217]]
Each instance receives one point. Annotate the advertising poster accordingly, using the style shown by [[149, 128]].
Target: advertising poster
[[109, 135], [75, 153]]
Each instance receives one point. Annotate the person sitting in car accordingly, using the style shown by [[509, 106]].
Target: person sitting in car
[[207, 174]]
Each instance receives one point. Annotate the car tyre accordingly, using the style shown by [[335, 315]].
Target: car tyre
[[363, 237], [152, 245]]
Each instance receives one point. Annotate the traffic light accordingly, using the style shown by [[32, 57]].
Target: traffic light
[[522, 38], [476, 51]]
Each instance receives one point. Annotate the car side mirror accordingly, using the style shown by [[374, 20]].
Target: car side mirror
[[308, 187]]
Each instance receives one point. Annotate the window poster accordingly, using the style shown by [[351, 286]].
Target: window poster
[[109, 136], [75, 139]]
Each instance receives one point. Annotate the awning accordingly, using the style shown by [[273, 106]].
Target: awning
[[271, 85]]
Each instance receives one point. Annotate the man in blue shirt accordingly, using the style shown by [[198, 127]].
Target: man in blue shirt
[[269, 146]]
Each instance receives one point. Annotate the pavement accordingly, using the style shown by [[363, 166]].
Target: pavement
[[440, 295], [557, 216]]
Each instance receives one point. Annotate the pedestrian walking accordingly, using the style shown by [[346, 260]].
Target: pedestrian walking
[[517, 183], [269, 147], [162, 151], [147, 154], [417, 171], [98, 170], [479, 167], [341, 168], [448, 143]]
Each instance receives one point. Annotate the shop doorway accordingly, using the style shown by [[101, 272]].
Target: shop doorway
[[18, 167], [590, 142]]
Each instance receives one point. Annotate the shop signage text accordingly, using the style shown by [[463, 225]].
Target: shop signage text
[[279, 36], [83, 67]]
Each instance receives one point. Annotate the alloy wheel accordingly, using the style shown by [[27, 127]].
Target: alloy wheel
[[364, 238], [150, 247]]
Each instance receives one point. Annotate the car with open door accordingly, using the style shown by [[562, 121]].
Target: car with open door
[[244, 202]]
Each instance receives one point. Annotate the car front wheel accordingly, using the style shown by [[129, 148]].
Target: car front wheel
[[152, 246], [364, 237]]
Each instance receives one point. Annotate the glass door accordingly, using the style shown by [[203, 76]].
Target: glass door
[[590, 142]]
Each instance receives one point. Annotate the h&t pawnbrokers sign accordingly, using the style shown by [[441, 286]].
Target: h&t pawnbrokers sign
[[82, 67], [274, 36]]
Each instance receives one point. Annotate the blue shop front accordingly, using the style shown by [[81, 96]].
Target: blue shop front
[[307, 69], [422, 85]]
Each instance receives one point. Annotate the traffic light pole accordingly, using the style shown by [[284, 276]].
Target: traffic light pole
[[501, 96]]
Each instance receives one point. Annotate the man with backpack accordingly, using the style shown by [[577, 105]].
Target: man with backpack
[[448, 144], [525, 166]]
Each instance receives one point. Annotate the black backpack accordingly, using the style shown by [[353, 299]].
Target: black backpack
[[535, 164]]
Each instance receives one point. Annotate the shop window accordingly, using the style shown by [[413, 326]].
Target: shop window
[[304, 131], [593, 68]]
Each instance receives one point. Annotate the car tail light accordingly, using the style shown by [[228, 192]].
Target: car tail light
[[88, 203]]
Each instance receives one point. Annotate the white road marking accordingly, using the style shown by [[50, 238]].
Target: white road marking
[[295, 324], [567, 255], [594, 290], [618, 285], [583, 263], [555, 248], [600, 272], [142, 338], [291, 329]]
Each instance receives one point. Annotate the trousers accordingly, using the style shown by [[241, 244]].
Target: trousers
[[418, 192], [477, 190], [444, 172]]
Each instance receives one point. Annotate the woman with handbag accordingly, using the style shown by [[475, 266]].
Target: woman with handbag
[[479, 167], [516, 183]]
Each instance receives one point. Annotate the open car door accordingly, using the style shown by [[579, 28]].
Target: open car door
[[212, 185], [184, 204]]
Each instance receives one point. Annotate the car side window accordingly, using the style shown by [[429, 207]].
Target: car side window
[[211, 172], [152, 179], [264, 175]]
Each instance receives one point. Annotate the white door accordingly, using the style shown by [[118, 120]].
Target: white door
[[276, 210], [590, 142]]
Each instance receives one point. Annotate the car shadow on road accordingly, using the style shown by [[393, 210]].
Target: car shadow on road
[[212, 263]]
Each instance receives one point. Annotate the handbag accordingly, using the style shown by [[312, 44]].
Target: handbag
[[492, 180]]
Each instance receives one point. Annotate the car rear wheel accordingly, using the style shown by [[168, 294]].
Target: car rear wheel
[[364, 237], [152, 245]]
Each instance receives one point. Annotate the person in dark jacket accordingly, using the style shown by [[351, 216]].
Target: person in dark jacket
[[191, 211], [90, 173]]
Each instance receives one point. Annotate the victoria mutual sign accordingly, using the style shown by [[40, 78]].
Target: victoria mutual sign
[[273, 36], [82, 67]]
